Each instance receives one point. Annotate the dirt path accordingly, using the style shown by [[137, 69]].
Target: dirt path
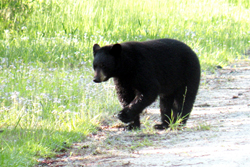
[[217, 133]]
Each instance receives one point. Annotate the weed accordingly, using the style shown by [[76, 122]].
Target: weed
[[203, 127], [175, 123]]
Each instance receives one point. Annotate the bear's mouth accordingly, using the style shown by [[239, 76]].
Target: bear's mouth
[[97, 80], [100, 77]]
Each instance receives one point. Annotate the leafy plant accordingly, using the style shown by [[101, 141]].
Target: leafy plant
[[175, 123]]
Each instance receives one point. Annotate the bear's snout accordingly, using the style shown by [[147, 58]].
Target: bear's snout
[[97, 80], [99, 76]]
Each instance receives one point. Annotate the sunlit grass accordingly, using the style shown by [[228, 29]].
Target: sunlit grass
[[47, 97], [217, 30]]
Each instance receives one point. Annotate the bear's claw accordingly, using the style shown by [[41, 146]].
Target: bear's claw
[[161, 126], [132, 126]]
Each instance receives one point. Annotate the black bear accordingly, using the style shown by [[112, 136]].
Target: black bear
[[144, 70]]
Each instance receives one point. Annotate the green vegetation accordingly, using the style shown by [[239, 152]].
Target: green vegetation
[[47, 98], [175, 124]]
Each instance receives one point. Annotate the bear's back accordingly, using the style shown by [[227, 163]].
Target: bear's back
[[170, 61]]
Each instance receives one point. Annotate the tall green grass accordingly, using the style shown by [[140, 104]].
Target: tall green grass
[[47, 97], [217, 30]]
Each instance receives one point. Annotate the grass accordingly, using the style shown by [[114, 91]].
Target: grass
[[44, 109], [47, 96], [216, 30], [176, 123]]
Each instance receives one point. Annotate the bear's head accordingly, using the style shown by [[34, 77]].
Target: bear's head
[[105, 62]]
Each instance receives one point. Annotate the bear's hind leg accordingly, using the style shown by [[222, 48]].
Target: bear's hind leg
[[183, 103], [178, 106], [166, 104]]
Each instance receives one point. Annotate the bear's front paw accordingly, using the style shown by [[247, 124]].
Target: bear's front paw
[[161, 126], [132, 126], [125, 116]]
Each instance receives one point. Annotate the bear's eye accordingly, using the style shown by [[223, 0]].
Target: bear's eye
[[102, 66]]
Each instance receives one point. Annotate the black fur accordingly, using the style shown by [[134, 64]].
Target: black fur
[[144, 70]]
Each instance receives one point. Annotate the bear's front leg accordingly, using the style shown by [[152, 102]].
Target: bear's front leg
[[126, 115], [129, 113], [133, 110], [135, 125]]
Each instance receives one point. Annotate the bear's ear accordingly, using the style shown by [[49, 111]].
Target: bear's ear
[[116, 49], [96, 47]]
